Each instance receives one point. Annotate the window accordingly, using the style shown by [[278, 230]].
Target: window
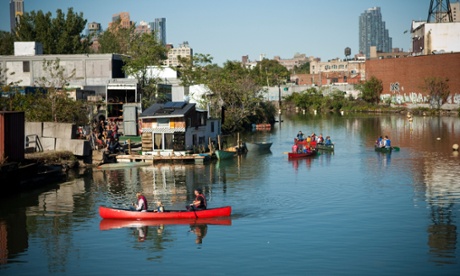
[[158, 139], [26, 66], [169, 141], [212, 127], [163, 122]]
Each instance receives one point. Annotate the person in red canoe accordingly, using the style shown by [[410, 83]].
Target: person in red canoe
[[141, 204], [200, 201]]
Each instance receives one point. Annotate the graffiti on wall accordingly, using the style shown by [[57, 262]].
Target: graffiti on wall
[[416, 98]]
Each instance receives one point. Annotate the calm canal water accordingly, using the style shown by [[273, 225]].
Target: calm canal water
[[351, 212]]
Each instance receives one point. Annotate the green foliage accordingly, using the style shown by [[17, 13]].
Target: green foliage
[[232, 88], [142, 51], [263, 114], [334, 102], [6, 43], [8, 90], [302, 69], [195, 70], [60, 35], [438, 89], [371, 90], [116, 39], [55, 105], [310, 99], [270, 73]]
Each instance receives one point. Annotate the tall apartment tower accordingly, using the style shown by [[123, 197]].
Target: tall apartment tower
[[160, 30], [372, 32], [16, 11], [123, 18]]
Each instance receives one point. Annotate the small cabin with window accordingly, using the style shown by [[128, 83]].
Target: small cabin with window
[[177, 127]]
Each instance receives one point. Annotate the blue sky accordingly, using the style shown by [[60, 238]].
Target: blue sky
[[228, 30]]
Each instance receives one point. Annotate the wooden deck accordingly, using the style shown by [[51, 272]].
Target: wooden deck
[[152, 158]]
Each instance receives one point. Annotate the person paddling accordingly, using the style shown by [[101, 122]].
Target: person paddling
[[200, 201], [141, 204]]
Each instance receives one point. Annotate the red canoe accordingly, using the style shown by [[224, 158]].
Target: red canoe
[[293, 155], [114, 213], [107, 224]]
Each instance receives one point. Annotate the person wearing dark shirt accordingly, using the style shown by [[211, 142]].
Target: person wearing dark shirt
[[200, 201], [113, 145]]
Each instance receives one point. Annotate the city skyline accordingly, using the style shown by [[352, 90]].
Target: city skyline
[[233, 29]]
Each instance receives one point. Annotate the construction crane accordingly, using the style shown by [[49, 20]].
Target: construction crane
[[439, 12]]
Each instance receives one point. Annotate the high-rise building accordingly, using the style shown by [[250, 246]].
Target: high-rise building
[[372, 32], [16, 11], [160, 30], [123, 19]]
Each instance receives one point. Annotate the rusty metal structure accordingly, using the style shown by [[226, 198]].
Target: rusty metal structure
[[12, 136]]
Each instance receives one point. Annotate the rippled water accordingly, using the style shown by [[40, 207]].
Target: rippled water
[[351, 212]]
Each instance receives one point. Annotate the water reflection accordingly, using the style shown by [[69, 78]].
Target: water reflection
[[45, 229], [301, 162], [384, 158], [442, 194], [157, 228]]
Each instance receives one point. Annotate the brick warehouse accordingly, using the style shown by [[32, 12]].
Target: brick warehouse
[[403, 78]]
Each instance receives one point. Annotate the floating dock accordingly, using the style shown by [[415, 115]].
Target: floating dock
[[197, 158]]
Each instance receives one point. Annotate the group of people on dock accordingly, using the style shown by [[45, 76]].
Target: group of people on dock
[[105, 136], [305, 145], [383, 142]]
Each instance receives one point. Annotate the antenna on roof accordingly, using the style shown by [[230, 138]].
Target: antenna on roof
[[440, 12]]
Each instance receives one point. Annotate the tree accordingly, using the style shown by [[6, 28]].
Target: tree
[[116, 39], [145, 51], [195, 70], [310, 98], [237, 93], [438, 89], [270, 73], [9, 91], [142, 51], [302, 69], [60, 35], [6, 43], [371, 90], [233, 90], [55, 105]]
